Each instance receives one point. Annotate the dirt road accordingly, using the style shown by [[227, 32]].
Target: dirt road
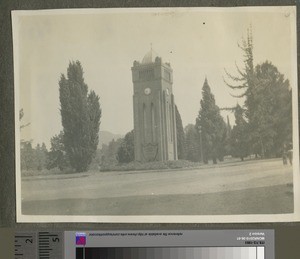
[[255, 187]]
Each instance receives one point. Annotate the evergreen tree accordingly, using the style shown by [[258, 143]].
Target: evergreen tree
[[272, 118], [268, 108], [246, 79], [57, 156], [80, 114], [180, 135], [109, 152], [239, 138], [228, 138], [125, 152], [192, 143], [212, 126], [94, 116], [28, 157], [41, 156], [27, 153]]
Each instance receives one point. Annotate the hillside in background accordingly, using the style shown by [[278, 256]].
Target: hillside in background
[[106, 137]]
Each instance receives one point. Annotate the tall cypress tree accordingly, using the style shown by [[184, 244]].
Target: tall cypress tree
[[94, 115], [180, 135], [212, 127], [80, 115]]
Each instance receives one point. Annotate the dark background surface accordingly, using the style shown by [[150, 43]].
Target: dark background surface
[[287, 235]]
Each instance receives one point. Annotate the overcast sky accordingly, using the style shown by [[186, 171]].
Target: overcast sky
[[197, 43]]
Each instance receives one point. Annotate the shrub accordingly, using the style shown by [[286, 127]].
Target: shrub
[[157, 165]]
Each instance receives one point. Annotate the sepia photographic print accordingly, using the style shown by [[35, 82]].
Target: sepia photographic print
[[156, 115]]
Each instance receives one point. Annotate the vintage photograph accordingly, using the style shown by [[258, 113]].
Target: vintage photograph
[[156, 115]]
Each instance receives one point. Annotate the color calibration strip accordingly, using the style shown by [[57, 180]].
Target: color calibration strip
[[171, 253]]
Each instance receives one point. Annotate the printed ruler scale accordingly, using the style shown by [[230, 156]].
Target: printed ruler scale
[[40, 245], [25, 245]]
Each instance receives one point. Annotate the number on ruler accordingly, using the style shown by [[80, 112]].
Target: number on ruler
[[56, 239]]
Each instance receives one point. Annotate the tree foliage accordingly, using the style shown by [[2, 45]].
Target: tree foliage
[[21, 115], [125, 152], [227, 141], [212, 127], [28, 158], [239, 137], [57, 156], [109, 153], [41, 156], [271, 121], [33, 158], [268, 103], [181, 149], [80, 115], [94, 119], [192, 143]]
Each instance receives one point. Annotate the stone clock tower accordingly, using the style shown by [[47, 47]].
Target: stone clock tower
[[154, 110]]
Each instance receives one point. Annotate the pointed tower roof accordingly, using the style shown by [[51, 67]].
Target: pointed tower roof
[[149, 57]]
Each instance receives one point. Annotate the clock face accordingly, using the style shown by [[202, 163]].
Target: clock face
[[147, 91]]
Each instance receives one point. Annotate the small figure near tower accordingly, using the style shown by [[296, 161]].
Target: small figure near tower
[[155, 136]]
